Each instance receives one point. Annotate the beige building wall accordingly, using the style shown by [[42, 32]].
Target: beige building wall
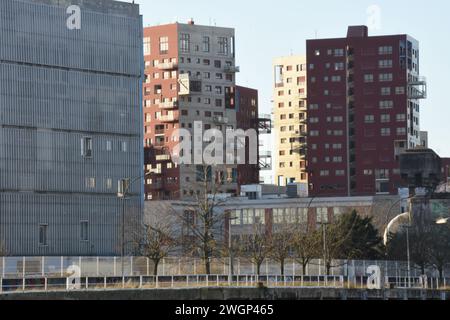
[[289, 109]]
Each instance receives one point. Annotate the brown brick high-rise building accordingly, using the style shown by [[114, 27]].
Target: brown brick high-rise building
[[363, 111], [247, 118]]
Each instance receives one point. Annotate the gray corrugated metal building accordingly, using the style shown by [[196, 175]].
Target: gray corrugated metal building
[[70, 125]]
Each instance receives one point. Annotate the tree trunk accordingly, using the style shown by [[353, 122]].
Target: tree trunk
[[155, 267], [328, 266], [258, 268], [282, 266], [207, 266], [304, 265]]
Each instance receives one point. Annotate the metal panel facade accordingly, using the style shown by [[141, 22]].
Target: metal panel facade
[[58, 89]]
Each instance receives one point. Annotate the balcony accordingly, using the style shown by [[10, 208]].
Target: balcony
[[417, 90], [167, 66], [231, 69], [163, 157], [168, 118], [220, 120], [159, 144], [168, 105], [302, 96], [159, 132]]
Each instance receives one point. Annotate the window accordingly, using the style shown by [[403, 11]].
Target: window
[[369, 118], [385, 50], [400, 90], [223, 45], [336, 79], [247, 216], [385, 132], [385, 118], [368, 172], [340, 173], [86, 147], [400, 117], [385, 91], [385, 64], [43, 228], [236, 217], [90, 183], [147, 46], [368, 78], [123, 146], [314, 133], [324, 173], [260, 216], [386, 77], [322, 215], [339, 52], [109, 143], [401, 131], [164, 45], [386, 104], [339, 66], [278, 216], [84, 230], [109, 183], [206, 44], [185, 42]]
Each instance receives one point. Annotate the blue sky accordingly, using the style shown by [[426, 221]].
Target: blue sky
[[266, 29]]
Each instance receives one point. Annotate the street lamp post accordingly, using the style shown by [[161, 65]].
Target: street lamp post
[[230, 251], [408, 256], [124, 188]]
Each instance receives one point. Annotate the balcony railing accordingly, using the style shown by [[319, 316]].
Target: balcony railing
[[163, 157], [168, 118], [417, 89], [167, 66], [231, 69], [220, 120], [168, 105]]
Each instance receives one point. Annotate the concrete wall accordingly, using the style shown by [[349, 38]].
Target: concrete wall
[[236, 294]]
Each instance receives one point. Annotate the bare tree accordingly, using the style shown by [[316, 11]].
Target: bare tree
[[282, 244], [155, 239], [204, 218], [306, 246], [257, 246]]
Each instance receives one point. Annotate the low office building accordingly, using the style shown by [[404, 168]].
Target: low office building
[[274, 209]]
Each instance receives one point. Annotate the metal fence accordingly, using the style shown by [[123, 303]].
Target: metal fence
[[45, 284], [32, 267]]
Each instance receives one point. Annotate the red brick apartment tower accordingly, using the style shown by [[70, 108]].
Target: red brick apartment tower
[[363, 111], [190, 76], [247, 118]]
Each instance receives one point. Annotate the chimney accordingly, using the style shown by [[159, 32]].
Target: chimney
[[191, 22]]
